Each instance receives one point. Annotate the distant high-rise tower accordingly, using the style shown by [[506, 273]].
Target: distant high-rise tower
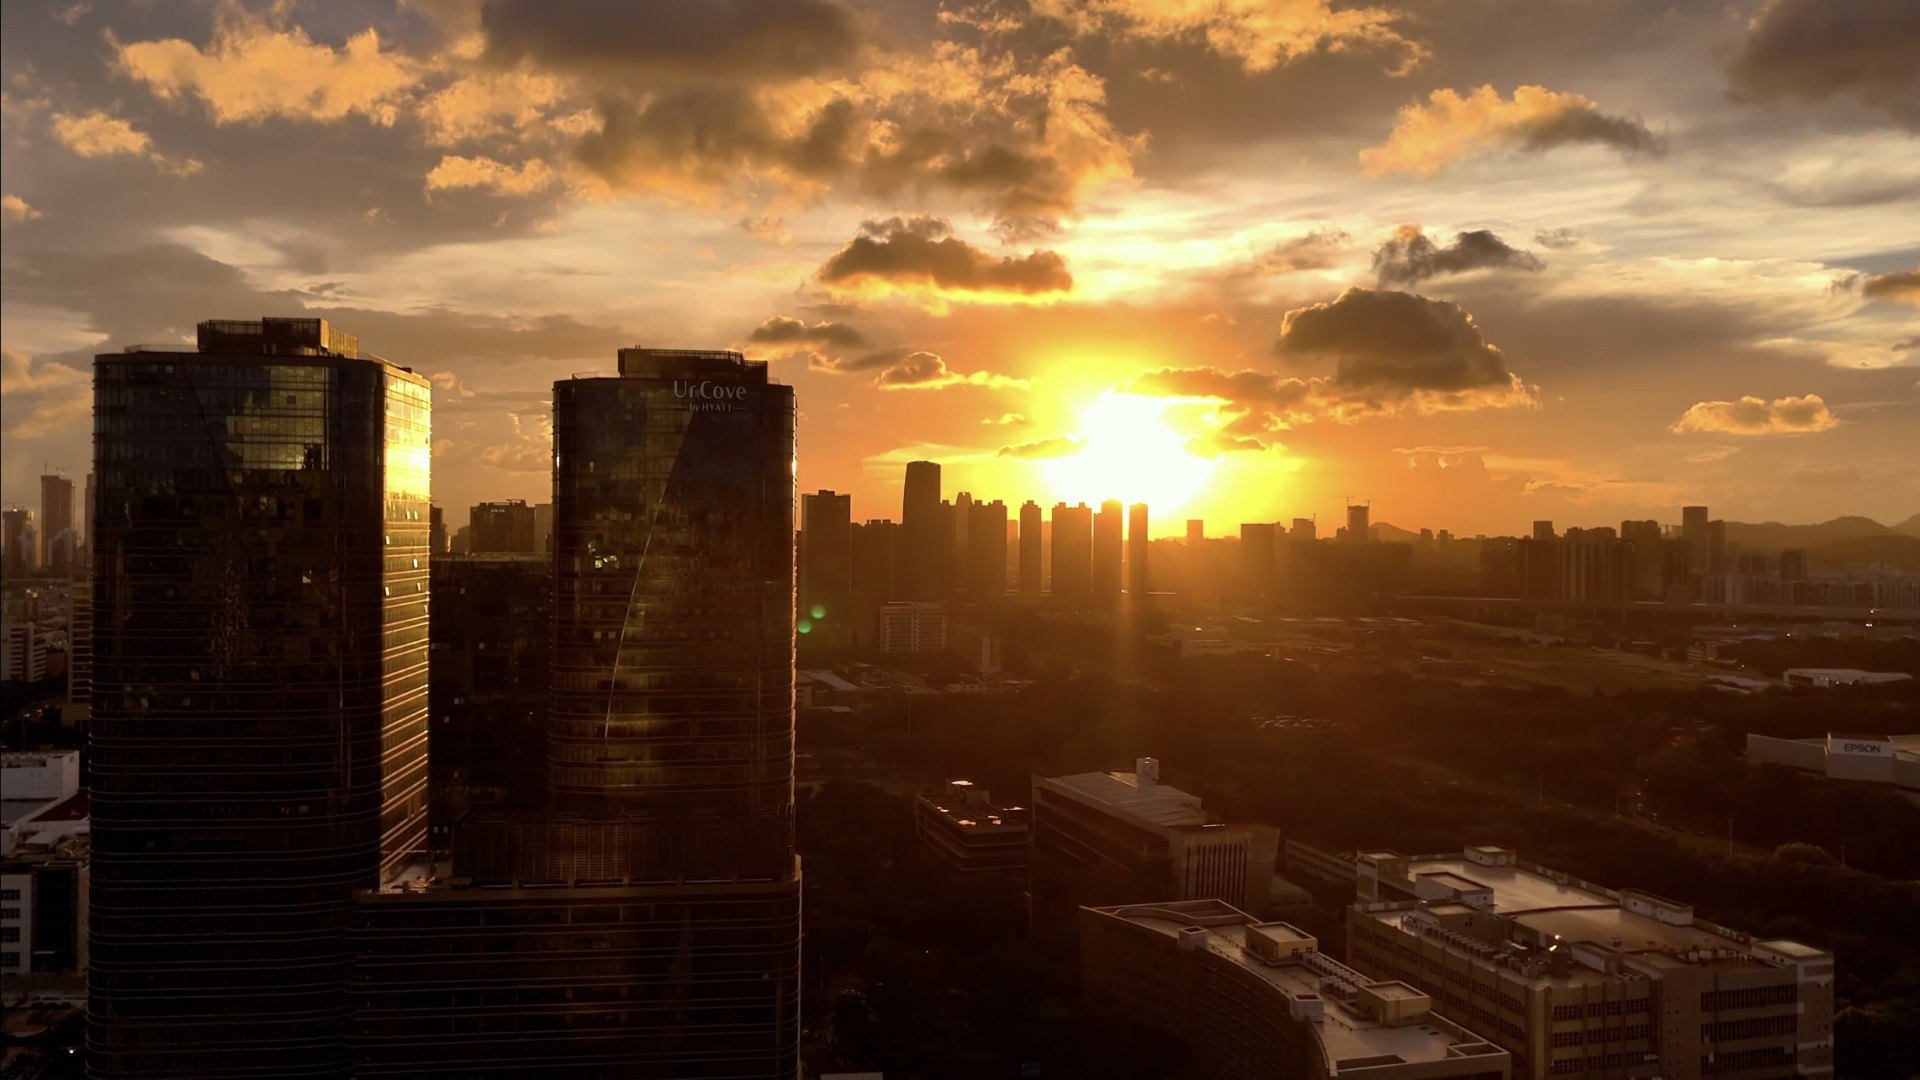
[[1072, 554], [1543, 530], [57, 535], [1793, 564], [1031, 551], [1137, 549], [1196, 532], [923, 549], [826, 566], [987, 551], [1359, 529], [1109, 528], [1696, 530], [1303, 529], [22, 554], [1258, 550], [259, 729]]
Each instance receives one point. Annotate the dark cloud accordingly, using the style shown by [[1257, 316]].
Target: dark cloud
[[873, 361], [1058, 446], [1901, 285], [716, 39], [786, 330], [1393, 345], [1426, 138], [1409, 256], [910, 369], [921, 254], [914, 369], [1557, 239], [1907, 345], [1813, 50]]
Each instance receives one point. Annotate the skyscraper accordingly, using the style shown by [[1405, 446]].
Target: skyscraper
[[923, 554], [876, 557], [826, 566], [1109, 525], [259, 730], [1137, 549], [1031, 550], [1196, 532], [987, 551], [1303, 529], [1359, 528], [1258, 551], [1072, 554], [1543, 530], [22, 554], [57, 535], [1696, 531]]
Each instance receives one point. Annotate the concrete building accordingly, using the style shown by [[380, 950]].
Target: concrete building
[[1032, 550], [1577, 980], [1137, 545], [986, 551], [1072, 555], [1123, 837], [1359, 527], [59, 538], [926, 540], [40, 775], [1196, 532], [1259, 1001], [1109, 527], [23, 653], [913, 627], [22, 546], [972, 836], [826, 567], [1801, 676], [1871, 759]]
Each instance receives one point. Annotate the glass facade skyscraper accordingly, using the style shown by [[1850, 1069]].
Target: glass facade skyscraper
[[259, 731]]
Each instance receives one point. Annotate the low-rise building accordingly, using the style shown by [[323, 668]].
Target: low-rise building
[[1107, 838], [43, 904], [1259, 1001], [1577, 980], [962, 827], [1873, 759], [1806, 676]]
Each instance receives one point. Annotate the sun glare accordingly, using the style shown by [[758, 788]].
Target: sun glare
[[1129, 451]]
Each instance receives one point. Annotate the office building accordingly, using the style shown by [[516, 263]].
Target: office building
[[543, 528], [1359, 527], [437, 538], [1543, 530], [1196, 532], [262, 502], [80, 639], [969, 834], [22, 555], [1649, 546], [924, 543], [491, 637], [913, 628], [1257, 554], [1137, 543], [1123, 837], [1304, 529], [1574, 979], [1259, 1001], [24, 655], [503, 528], [876, 553], [1109, 527], [1597, 570], [987, 551], [58, 537], [1793, 564], [1072, 555], [647, 925], [826, 567], [1032, 583]]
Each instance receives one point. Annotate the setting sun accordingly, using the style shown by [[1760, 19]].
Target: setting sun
[[1129, 450]]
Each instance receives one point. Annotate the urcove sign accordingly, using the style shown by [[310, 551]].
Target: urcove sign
[[709, 396]]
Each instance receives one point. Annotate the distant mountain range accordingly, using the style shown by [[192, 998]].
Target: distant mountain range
[[1842, 540]]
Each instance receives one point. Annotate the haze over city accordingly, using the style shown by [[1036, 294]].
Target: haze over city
[[1479, 262]]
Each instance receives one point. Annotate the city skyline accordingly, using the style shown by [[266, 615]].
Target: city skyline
[[1501, 269]]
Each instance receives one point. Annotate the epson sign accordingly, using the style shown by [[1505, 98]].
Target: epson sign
[[709, 396], [1857, 748]]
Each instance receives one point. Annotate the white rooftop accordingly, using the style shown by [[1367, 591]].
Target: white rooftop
[[1153, 803]]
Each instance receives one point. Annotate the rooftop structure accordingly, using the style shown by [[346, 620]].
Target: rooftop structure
[[1515, 950], [963, 827], [1874, 759], [1803, 676], [1259, 1000]]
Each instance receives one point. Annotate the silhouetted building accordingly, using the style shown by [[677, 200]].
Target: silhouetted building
[[1259, 1001], [1543, 530], [648, 925], [987, 551], [492, 631], [1072, 554], [503, 528], [1123, 837], [971, 836], [876, 550], [1032, 557], [1137, 543], [1109, 527], [1793, 564], [925, 538], [22, 547], [58, 537], [437, 538], [543, 528], [1696, 530], [1648, 543], [1599, 570], [1359, 529], [1257, 555], [1303, 529], [1196, 532], [259, 727], [1574, 979], [826, 566]]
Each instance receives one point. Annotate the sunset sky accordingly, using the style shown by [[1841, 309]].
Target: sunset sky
[[1480, 261]]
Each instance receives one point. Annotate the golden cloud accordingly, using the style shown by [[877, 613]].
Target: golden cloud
[[1260, 34], [1427, 138], [483, 172], [14, 210], [1758, 416]]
